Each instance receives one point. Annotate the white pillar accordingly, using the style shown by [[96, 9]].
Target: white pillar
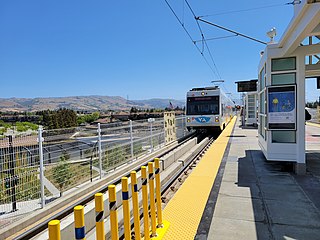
[[301, 141]]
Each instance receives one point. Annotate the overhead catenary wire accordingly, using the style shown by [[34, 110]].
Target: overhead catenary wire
[[217, 38], [189, 35], [232, 31], [204, 42], [252, 9]]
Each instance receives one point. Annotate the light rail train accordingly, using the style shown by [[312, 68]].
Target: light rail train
[[208, 108]]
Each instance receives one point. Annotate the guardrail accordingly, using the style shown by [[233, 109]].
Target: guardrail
[[152, 199], [38, 169]]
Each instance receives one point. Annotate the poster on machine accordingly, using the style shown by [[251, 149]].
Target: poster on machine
[[282, 107]]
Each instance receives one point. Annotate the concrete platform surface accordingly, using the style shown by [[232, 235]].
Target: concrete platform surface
[[258, 199]]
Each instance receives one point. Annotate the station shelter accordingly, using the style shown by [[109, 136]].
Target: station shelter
[[283, 69]]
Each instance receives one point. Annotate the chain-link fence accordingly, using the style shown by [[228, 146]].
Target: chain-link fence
[[37, 169]]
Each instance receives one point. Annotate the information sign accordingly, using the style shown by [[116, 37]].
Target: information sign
[[247, 86], [281, 105]]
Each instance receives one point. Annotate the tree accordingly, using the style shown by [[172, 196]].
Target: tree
[[62, 173], [62, 118]]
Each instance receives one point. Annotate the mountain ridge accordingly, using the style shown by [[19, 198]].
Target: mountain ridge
[[83, 103]]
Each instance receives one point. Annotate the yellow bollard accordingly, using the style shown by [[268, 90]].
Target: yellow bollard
[[54, 230], [99, 207], [113, 212], [80, 232], [144, 181], [158, 192], [126, 210], [152, 201], [135, 205]]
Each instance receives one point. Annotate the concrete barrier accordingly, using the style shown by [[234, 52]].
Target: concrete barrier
[[173, 156]]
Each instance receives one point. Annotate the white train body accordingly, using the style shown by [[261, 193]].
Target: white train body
[[208, 108]]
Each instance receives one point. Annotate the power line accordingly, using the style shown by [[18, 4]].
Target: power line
[[252, 9], [232, 31], [203, 39], [217, 38], [189, 35]]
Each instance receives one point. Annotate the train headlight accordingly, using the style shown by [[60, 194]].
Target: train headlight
[[216, 119], [188, 120]]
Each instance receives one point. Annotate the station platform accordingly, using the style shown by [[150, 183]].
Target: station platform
[[234, 193]]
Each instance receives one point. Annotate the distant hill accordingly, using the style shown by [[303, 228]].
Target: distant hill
[[161, 103], [82, 103]]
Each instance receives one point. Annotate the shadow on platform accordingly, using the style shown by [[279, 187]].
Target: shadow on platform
[[283, 204]]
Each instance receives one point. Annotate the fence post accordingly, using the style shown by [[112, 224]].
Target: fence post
[[54, 230], [152, 200], [99, 208], [113, 212], [80, 231], [40, 140], [12, 182], [144, 181], [131, 138], [151, 120], [158, 192], [126, 208], [100, 150], [135, 205]]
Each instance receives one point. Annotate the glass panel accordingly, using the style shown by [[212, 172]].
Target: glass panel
[[283, 136], [262, 104], [280, 79], [203, 105], [262, 128], [261, 79], [260, 125], [283, 64]]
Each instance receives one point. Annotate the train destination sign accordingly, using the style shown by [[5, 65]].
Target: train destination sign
[[282, 107], [247, 86]]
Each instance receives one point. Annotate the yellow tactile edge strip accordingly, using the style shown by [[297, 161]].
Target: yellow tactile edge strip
[[313, 124], [185, 209]]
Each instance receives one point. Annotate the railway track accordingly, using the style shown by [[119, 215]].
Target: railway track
[[168, 188]]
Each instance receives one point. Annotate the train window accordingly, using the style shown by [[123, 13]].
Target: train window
[[203, 105]]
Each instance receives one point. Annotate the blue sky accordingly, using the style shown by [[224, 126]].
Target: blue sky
[[129, 48]]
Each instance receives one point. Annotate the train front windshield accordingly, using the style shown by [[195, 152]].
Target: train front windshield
[[203, 105]]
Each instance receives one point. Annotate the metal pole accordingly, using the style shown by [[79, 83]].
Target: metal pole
[[54, 230], [152, 201], [126, 208], [151, 136], [113, 212], [158, 192], [99, 207], [144, 181], [135, 205], [40, 140], [131, 138], [12, 182], [100, 151], [79, 225]]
